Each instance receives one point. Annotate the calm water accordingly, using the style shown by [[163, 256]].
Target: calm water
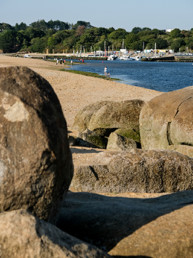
[[161, 76]]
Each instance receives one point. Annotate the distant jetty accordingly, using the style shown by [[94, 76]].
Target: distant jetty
[[171, 58], [179, 57]]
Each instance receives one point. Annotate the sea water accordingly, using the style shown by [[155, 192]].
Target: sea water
[[160, 76]]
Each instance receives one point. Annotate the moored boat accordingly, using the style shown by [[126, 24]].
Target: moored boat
[[125, 57], [112, 57]]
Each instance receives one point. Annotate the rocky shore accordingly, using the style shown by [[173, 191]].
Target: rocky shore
[[92, 168], [77, 91]]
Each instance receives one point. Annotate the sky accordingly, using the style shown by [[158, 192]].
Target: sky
[[126, 14]]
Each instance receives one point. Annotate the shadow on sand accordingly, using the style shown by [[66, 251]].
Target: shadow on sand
[[104, 221]]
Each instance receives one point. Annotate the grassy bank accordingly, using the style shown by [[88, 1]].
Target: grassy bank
[[96, 75]]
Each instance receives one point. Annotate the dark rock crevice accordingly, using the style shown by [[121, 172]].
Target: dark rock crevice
[[168, 134], [94, 172], [186, 143], [168, 131], [178, 108]]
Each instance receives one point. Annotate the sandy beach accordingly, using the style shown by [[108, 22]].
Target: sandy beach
[[77, 91]]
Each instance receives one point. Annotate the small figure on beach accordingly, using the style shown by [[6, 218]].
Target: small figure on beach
[[105, 71], [71, 62]]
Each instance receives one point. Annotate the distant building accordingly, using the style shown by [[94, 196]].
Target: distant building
[[169, 30], [123, 51], [147, 51], [99, 53]]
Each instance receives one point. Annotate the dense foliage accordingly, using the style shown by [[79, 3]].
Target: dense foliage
[[61, 36]]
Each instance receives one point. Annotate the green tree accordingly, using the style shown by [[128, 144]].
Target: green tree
[[177, 44], [147, 38], [137, 45], [136, 30], [162, 43], [38, 45], [82, 23], [20, 37], [39, 25], [100, 44], [5, 26], [117, 34], [58, 25], [61, 35], [21, 26], [176, 33], [34, 33], [51, 42], [110, 30], [130, 39], [189, 43], [69, 43], [150, 45], [8, 41]]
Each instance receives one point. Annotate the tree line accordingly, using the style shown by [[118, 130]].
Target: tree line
[[59, 36]]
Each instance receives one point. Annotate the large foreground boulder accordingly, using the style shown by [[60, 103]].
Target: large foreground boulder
[[167, 236], [132, 227], [103, 118], [23, 235], [136, 171], [166, 122], [35, 160]]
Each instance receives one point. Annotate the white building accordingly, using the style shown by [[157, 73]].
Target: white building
[[169, 30]]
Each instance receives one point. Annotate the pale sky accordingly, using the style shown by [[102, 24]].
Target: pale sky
[[126, 14]]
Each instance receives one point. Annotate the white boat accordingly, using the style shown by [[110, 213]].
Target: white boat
[[27, 56], [112, 57], [136, 58], [124, 57]]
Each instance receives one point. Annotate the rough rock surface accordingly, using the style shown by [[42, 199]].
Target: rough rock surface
[[96, 138], [35, 160], [167, 236], [23, 235], [107, 116], [134, 227], [123, 114], [136, 171], [166, 122], [120, 143], [82, 119]]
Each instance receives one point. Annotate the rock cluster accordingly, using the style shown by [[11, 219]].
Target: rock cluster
[[136, 227], [36, 171], [96, 122]]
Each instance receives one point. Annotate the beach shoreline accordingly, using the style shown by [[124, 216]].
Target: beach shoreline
[[77, 91]]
